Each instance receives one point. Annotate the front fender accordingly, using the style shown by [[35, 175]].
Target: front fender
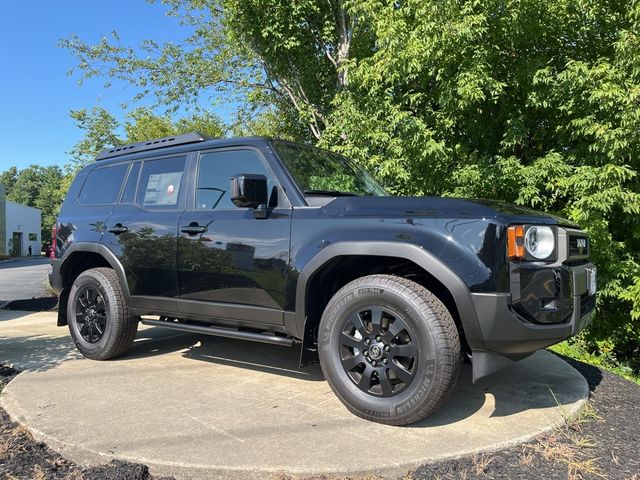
[[414, 253]]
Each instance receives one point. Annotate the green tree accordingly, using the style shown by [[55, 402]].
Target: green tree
[[535, 102], [38, 187], [289, 56], [102, 130], [8, 178]]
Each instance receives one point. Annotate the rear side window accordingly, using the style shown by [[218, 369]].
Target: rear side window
[[159, 184], [102, 185]]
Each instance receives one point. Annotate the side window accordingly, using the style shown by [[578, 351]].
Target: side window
[[215, 172], [159, 184], [102, 185], [129, 194]]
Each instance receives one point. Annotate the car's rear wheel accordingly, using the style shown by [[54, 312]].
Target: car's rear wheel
[[99, 319], [389, 349]]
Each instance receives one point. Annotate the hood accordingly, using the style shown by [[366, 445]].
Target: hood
[[439, 207]]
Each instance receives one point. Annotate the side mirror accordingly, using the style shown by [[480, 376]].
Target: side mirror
[[249, 191]]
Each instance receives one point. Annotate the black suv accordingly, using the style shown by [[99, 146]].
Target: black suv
[[271, 241]]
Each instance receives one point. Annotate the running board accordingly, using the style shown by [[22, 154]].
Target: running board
[[220, 332]]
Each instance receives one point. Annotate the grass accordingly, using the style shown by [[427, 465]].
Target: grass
[[577, 352], [569, 446]]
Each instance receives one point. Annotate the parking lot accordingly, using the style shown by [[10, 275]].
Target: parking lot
[[24, 278]]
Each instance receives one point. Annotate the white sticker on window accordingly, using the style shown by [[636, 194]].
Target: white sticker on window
[[163, 188]]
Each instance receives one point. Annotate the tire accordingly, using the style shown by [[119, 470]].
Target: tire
[[100, 322], [412, 361]]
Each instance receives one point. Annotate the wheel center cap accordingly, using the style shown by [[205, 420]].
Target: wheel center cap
[[375, 352]]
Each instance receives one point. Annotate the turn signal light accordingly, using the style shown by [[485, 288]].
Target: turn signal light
[[515, 242]]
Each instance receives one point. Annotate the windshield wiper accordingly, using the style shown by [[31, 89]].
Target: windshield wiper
[[330, 193]]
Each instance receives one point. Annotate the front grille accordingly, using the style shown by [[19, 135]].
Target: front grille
[[587, 303], [579, 246]]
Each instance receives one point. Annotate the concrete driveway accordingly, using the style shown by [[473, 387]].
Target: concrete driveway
[[204, 407], [24, 278]]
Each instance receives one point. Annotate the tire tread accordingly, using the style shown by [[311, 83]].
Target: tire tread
[[123, 320], [446, 337]]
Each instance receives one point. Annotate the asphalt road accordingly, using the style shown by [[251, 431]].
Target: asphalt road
[[24, 278]]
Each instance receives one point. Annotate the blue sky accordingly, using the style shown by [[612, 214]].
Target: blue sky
[[36, 94]]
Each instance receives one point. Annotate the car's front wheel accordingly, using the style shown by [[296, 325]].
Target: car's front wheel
[[100, 322], [389, 349]]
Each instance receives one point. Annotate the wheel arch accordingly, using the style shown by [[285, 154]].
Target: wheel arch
[[351, 256], [81, 257]]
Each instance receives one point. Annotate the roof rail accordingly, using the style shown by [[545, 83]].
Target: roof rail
[[191, 137]]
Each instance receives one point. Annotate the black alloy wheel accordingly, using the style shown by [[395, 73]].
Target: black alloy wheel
[[100, 322], [91, 314], [378, 351], [389, 349]]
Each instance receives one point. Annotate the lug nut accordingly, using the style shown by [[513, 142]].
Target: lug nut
[[367, 341], [374, 363], [378, 338], [384, 360], [366, 353], [387, 348]]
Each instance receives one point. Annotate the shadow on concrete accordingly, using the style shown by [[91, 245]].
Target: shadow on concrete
[[6, 315], [531, 384], [523, 386], [260, 357], [42, 304], [37, 352]]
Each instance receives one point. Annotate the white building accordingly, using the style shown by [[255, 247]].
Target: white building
[[19, 228]]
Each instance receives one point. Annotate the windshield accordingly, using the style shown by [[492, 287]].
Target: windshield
[[320, 172]]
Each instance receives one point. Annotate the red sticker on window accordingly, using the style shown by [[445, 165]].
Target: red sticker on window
[[170, 190]]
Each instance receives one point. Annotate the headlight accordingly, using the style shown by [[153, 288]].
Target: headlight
[[531, 242], [540, 242]]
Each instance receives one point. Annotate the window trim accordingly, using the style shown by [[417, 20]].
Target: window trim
[[124, 185], [282, 197], [102, 167]]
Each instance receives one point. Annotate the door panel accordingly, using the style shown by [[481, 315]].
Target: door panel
[[143, 233], [237, 260]]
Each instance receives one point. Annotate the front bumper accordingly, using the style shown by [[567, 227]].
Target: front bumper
[[506, 335]]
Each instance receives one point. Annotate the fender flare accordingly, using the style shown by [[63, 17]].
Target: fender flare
[[104, 252], [414, 253]]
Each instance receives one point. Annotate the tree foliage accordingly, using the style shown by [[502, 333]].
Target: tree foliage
[[38, 187], [102, 129], [531, 101], [534, 102], [293, 56]]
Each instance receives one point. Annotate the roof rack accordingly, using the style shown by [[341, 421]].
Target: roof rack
[[191, 137]]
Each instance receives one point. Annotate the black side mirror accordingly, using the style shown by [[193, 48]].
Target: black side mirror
[[249, 191]]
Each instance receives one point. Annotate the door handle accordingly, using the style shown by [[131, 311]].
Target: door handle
[[117, 229], [193, 229]]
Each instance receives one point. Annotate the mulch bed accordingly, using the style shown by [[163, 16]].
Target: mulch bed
[[604, 443]]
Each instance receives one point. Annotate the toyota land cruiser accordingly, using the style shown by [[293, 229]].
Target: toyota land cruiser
[[271, 241]]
